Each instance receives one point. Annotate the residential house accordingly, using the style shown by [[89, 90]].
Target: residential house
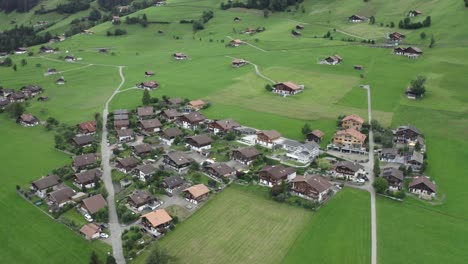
[[404, 134], [287, 88], [391, 155], [4, 102], [60, 81], [199, 143], [171, 183], [46, 49], [83, 141], [145, 171], [220, 170], [352, 121], [192, 120], [315, 135], [84, 161], [314, 187], [196, 193], [177, 161], [87, 179], [17, 97], [140, 199], [411, 52], [423, 187], [299, 27], [45, 184], [28, 120], [127, 164], [396, 36], [196, 105], [356, 18], [145, 112], [168, 135], [125, 135], [150, 125], [121, 124], [332, 60], [222, 126], [236, 42], [21, 50], [268, 138], [175, 101], [31, 90], [148, 85], [413, 13], [120, 112], [171, 114], [91, 231], [60, 197], [275, 175], [149, 73], [156, 222], [394, 178], [289, 145], [70, 58], [349, 138], [238, 63], [93, 204], [416, 160], [348, 170], [180, 56], [245, 155], [87, 128], [305, 153], [142, 149]]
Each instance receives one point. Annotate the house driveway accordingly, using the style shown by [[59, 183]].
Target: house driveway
[[177, 199]]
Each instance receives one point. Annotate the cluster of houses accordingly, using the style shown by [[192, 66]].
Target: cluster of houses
[[349, 137], [8, 96], [297, 31]]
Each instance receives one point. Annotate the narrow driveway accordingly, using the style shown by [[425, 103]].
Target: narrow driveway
[[257, 71]]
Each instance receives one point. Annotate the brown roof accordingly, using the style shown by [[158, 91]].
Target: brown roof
[[227, 124], [85, 159], [89, 126], [125, 132], [238, 61], [88, 175], [197, 190], [271, 134], [197, 103], [140, 197], [317, 133], [83, 140], [350, 165], [28, 118], [317, 182], [354, 118], [90, 230], [124, 123], [290, 85], [46, 182], [353, 132], [157, 217], [424, 180], [248, 152], [170, 113], [143, 148], [128, 161], [179, 157], [392, 172], [147, 168], [150, 123], [201, 140], [221, 168], [145, 111], [237, 41], [94, 203], [62, 195], [194, 117], [278, 171], [172, 132], [175, 101]]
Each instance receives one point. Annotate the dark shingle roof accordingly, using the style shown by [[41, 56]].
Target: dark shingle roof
[[46, 182], [173, 181]]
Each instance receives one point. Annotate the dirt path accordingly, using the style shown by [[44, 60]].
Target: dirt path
[[257, 71], [229, 37]]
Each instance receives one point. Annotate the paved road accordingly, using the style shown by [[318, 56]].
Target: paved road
[[114, 226]]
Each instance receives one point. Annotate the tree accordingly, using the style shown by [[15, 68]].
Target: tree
[[24, 62], [417, 86], [372, 20], [417, 146], [266, 13], [423, 35], [14, 67], [268, 88], [376, 167], [392, 24], [110, 260], [94, 15], [306, 129], [380, 184], [324, 164], [94, 258], [466, 3], [159, 256], [14, 110], [146, 100], [431, 45]]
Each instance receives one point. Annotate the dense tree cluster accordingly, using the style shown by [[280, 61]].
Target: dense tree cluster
[[274, 5], [21, 36], [466, 3], [407, 24], [200, 24], [417, 86], [73, 6], [16, 5], [109, 4]]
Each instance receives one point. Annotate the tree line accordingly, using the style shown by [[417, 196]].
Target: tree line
[[109, 4], [16, 5], [273, 5], [407, 24], [21, 36]]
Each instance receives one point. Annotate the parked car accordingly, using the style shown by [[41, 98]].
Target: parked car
[[104, 235], [88, 218], [365, 178]]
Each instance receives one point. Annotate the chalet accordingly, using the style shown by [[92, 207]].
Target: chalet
[[87, 128], [43, 98], [125, 135], [299, 27], [192, 120], [404, 134], [349, 137], [358, 67], [275, 175], [411, 52], [416, 160], [196, 193], [220, 170], [249, 31], [237, 19], [17, 97], [159, 2], [145, 171], [171, 183], [61, 197], [180, 56], [394, 178], [127, 164], [145, 112], [46, 49], [28, 120], [236, 43], [120, 112], [267, 138], [91, 231], [140, 199], [149, 73], [171, 114], [315, 135], [150, 125], [423, 187], [121, 124], [245, 155], [390, 155], [149, 85], [31, 90], [87, 32], [223, 126], [177, 161], [238, 63], [142, 149], [4, 102], [84, 161], [45, 184], [352, 121], [51, 71], [287, 88], [396, 36], [347, 169], [413, 13], [87, 179], [21, 50], [83, 141], [60, 81], [199, 143], [305, 153], [175, 101], [70, 58], [196, 105], [6, 92], [168, 135], [156, 222], [93, 204], [296, 33], [115, 20], [314, 187], [356, 19]]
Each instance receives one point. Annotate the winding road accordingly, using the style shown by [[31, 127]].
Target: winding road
[[257, 71]]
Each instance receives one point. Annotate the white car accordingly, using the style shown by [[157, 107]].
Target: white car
[[88, 218], [104, 235], [360, 181]]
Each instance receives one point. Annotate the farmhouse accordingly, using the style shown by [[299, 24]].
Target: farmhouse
[[390, 155], [315, 135], [93, 204], [60, 197], [142, 149], [87, 128], [199, 143], [411, 52], [84, 161], [42, 186], [28, 120], [423, 187], [396, 36], [180, 56], [83, 141], [220, 170], [275, 175], [70, 58], [404, 134], [87, 179], [356, 18], [150, 125], [332, 60], [223, 126], [192, 120], [245, 155], [21, 50], [299, 27], [313, 187], [17, 97], [413, 13], [4, 102], [268, 138], [145, 171], [305, 153], [174, 101], [236, 42], [347, 169], [51, 71], [196, 105], [121, 124], [140, 199], [46, 49], [349, 137], [196, 193], [168, 135], [149, 73], [31, 90], [148, 85], [60, 81], [127, 164], [171, 183], [145, 112], [287, 88], [91, 231], [394, 178], [171, 114], [415, 159], [177, 161], [238, 63], [125, 135], [352, 121], [156, 222]]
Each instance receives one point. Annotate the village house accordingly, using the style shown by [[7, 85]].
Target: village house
[[249, 31], [125, 135], [305, 153], [149, 73], [6, 92], [156, 222], [171, 114], [17, 97], [396, 36], [356, 19], [93, 204], [275, 175], [45, 185], [352, 121], [196, 193], [391, 155], [21, 50], [87, 128], [171, 183], [121, 124], [405, 134], [4, 102], [168, 135], [358, 67], [315, 135], [199, 143], [174, 101], [126, 165], [237, 19], [60, 197], [314, 187], [348, 170], [192, 120], [145, 171], [150, 125], [268, 138], [415, 159], [142, 149], [299, 27], [287, 88], [28, 120], [180, 56], [222, 126], [413, 13], [196, 105], [51, 71], [245, 155], [140, 199], [349, 138], [60, 81], [220, 170], [394, 178], [91, 231], [46, 49], [148, 85], [296, 33], [238, 63], [423, 187], [236, 42], [332, 60], [177, 160], [70, 58], [87, 179], [145, 112], [84, 161], [83, 141], [31, 90], [411, 52]]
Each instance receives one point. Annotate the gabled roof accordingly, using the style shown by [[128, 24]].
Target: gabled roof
[[89, 126], [290, 85], [140, 197], [157, 217], [175, 101], [142, 148], [221, 168], [354, 117], [147, 169], [172, 132], [150, 123], [248, 152], [46, 182], [417, 156], [197, 190], [194, 117], [278, 171], [85, 159], [88, 175], [173, 181], [121, 117], [62, 195], [121, 123], [128, 161], [352, 132], [317, 133], [28, 118], [392, 172], [197, 103], [271, 134], [145, 111], [200, 140], [409, 127], [179, 157], [317, 182], [350, 165], [227, 124], [125, 132], [171, 113], [423, 180], [83, 140], [120, 112], [94, 203], [90, 230]]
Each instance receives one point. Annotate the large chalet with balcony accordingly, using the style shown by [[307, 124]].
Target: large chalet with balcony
[[275, 175], [314, 187]]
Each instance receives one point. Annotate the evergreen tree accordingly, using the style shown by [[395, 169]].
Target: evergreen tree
[[146, 100], [94, 258]]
